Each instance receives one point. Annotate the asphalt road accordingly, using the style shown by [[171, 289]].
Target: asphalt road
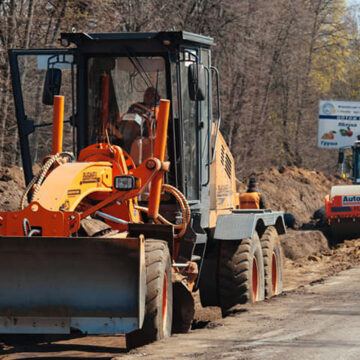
[[319, 321]]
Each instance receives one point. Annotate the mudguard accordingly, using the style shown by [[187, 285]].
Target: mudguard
[[241, 224]]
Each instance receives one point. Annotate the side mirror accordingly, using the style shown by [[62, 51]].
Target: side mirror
[[52, 86], [197, 83]]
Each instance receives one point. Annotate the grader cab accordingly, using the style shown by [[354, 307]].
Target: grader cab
[[134, 207]]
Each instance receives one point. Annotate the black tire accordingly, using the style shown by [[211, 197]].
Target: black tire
[[241, 272], [319, 214], [159, 292], [273, 262]]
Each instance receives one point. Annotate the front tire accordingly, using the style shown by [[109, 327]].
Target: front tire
[[159, 296], [241, 272]]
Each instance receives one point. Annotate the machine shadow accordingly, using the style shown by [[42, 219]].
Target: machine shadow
[[12, 344]]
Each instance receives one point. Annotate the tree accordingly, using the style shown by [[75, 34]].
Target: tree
[[276, 59]]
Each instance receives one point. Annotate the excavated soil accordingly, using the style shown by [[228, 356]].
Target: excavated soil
[[299, 243], [12, 187], [318, 266]]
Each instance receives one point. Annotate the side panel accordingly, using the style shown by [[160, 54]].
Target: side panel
[[222, 183], [343, 203]]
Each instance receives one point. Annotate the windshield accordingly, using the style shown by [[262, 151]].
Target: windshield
[[123, 96]]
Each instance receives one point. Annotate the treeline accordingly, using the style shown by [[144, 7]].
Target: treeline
[[276, 58]]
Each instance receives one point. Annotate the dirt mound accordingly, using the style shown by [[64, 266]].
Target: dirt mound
[[12, 187], [294, 190], [315, 267], [299, 243]]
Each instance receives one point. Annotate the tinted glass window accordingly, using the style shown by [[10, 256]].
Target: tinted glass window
[[189, 117], [32, 69], [123, 97]]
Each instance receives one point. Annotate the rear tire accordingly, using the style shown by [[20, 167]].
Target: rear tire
[[272, 254], [241, 272], [159, 296]]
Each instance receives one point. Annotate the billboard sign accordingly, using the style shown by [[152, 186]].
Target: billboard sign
[[339, 123]]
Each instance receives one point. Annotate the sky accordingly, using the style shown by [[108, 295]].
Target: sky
[[353, 2], [356, 5]]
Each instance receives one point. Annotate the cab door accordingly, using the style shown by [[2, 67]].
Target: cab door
[[190, 130], [196, 132], [34, 118]]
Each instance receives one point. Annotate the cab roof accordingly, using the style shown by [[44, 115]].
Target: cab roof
[[165, 37]]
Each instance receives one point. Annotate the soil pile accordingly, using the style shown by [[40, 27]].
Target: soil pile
[[299, 243], [12, 187], [316, 267]]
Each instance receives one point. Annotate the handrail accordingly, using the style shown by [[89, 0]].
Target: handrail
[[216, 71]]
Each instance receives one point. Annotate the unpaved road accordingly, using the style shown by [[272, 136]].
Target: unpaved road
[[318, 321], [321, 321]]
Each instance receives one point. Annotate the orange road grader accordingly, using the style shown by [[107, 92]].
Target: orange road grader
[[134, 206]]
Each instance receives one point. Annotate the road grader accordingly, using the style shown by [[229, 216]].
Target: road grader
[[134, 205]]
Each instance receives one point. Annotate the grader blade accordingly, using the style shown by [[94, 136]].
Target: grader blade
[[184, 308], [51, 285]]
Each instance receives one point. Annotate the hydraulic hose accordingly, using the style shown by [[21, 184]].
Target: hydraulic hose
[[184, 208]]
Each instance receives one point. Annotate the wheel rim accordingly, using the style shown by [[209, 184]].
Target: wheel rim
[[164, 305], [255, 279], [274, 274]]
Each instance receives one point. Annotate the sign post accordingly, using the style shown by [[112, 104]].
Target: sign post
[[339, 123]]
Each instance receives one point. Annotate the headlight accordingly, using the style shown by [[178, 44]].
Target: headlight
[[125, 182]]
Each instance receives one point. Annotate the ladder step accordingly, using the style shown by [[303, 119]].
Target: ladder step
[[201, 238]]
